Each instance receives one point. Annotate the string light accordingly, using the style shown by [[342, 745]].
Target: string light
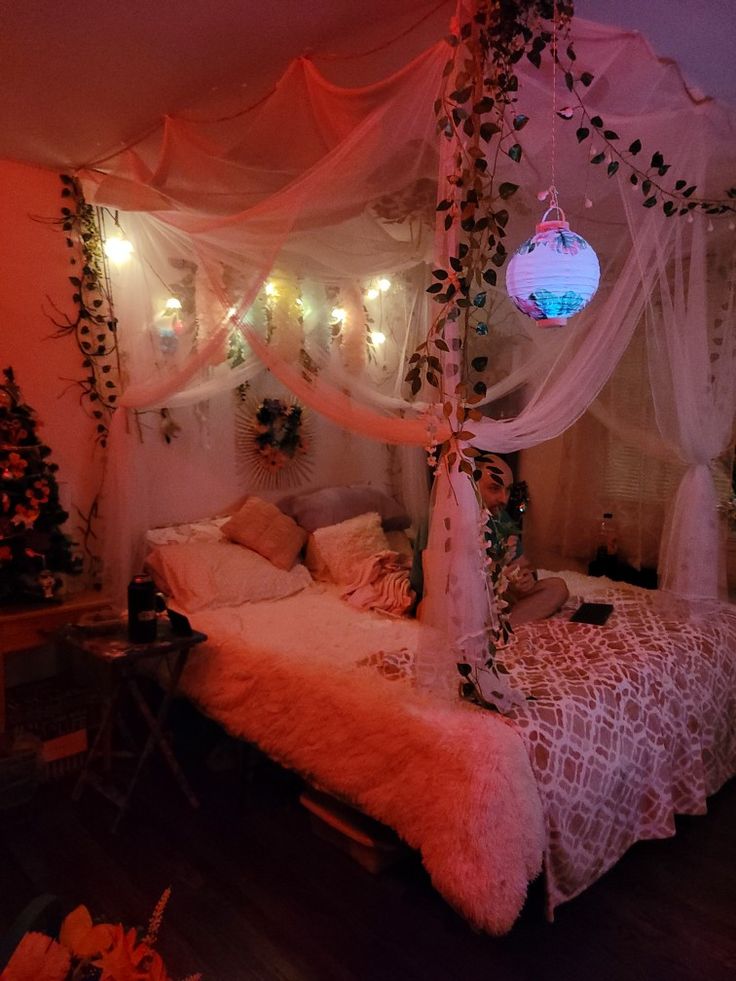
[[338, 315], [173, 304], [372, 293], [384, 284], [378, 337], [118, 249], [270, 289]]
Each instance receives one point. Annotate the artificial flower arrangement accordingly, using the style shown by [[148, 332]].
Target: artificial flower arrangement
[[278, 432], [86, 951]]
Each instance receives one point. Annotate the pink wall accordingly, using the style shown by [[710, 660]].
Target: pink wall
[[34, 273]]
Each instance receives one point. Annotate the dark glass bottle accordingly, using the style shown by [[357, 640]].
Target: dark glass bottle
[[142, 610]]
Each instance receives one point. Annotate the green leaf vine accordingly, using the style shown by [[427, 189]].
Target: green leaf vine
[[678, 199], [93, 324], [476, 114]]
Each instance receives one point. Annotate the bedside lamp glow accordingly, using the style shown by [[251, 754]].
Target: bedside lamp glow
[[554, 274]]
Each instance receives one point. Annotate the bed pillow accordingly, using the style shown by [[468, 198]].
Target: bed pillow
[[341, 549], [332, 505], [205, 530], [265, 529], [211, 574]]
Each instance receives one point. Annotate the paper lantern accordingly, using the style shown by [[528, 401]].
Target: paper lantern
[[554, 274]]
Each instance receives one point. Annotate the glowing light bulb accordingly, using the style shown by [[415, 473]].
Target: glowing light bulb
[[173, 303], [118, 249], [371, 294], [271, 289], [378, 337], [384, 284], [338, 314], [231, 312]]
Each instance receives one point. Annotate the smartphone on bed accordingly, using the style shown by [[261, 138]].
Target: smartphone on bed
[[596, 613]]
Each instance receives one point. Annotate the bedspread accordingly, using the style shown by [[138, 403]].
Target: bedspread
[[630, 724]]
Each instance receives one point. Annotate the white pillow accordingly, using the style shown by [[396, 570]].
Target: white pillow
[[210, 574], [343, 548], [206, 530]]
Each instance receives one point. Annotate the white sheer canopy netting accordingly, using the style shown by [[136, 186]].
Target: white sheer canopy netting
[[325, 191]]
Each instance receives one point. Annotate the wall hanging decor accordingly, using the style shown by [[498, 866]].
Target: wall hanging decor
[[273, 439]]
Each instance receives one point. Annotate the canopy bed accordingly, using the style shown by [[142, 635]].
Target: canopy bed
[[298, 235]]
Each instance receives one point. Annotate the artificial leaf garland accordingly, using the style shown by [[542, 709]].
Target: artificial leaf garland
[[93, 324]]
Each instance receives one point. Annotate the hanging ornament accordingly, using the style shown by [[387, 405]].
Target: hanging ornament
[[554, 274]]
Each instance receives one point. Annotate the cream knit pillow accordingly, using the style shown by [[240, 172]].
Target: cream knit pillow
[[343, 548]]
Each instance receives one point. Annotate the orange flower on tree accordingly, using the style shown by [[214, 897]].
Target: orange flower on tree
[[39, 492], [15, 466], [25, 516]]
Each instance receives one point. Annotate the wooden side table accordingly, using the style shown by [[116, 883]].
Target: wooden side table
[[124, 658], [30, 625]]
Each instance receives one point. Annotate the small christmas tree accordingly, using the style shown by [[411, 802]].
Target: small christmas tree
[[32, 545]]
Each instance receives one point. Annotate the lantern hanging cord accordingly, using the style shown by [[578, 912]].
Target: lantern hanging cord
[[553, 187]]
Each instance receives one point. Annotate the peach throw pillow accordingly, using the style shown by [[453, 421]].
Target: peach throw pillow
[[262, 527]]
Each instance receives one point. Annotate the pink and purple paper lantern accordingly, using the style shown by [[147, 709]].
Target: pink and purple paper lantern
[[552, 275]]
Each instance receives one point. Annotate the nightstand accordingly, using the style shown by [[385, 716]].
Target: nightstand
[[124, 661]]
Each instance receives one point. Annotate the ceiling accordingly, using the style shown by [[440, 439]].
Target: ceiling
[[84, 77]]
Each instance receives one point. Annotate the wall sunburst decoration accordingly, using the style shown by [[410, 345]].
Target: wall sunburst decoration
[[273, 439]]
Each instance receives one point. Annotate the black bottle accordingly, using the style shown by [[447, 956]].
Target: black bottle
[[141, 610]]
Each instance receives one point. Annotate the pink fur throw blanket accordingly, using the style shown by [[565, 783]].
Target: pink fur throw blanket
[[453, 781], [381, 583]]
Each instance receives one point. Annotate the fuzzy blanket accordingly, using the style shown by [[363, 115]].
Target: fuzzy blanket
[[453, 781]]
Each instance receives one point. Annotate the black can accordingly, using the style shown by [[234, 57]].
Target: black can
[[142, 610]]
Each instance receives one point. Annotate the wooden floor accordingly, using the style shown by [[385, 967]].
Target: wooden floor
[[257, 897]]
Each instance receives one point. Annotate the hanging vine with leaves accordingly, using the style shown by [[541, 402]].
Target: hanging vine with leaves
[[93, 324]]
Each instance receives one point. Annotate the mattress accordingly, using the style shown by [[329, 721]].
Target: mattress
[[622, 726]]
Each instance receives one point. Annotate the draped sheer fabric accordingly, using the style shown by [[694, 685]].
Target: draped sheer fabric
[[325, 189]]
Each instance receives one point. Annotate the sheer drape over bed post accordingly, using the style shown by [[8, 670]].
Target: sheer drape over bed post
[[692, 367]]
